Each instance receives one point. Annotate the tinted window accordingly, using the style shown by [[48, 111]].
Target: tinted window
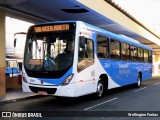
[[150, 56], [140, 55], [133, 53], [145, 55], [114, 49], [85, 55], [125, 51], [102, 47]]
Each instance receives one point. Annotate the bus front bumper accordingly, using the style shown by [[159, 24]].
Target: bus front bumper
[[64, 91]]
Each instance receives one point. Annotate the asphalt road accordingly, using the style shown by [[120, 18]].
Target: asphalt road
[[118, 103]]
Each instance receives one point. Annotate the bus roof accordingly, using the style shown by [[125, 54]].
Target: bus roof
[[106, 33], [121, 38]]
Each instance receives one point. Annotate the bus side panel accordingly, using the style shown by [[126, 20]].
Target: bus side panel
[[134, 68], [86, 81], [88, 78], [121, 72], [126, 71], [147, 71]]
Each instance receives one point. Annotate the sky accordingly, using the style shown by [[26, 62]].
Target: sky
[[145, 11]]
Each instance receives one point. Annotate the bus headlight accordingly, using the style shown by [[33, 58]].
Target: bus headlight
[[68, 79]]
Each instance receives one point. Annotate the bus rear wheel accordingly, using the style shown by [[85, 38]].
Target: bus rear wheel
[[100, 90], [138, 84]]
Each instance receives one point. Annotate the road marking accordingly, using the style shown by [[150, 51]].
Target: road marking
[[157, 83], [100, 104], [140, 89]]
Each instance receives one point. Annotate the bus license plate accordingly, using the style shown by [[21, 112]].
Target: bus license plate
[[42, 93]]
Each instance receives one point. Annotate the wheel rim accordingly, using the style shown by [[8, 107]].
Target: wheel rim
[[139, 82], [99, 89]]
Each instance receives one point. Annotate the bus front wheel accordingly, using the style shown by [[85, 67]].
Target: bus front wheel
[[100, 89]]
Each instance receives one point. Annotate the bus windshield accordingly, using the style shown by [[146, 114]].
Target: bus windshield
[[49, 52]]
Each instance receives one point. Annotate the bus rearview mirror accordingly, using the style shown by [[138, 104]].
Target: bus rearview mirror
[[82, 41]]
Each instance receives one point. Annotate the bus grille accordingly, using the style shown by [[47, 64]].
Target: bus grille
[[48, 90]]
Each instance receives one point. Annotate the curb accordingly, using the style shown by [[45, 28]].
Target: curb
[[20, 99]]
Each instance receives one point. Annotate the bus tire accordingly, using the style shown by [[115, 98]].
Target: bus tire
[[100, 90], [138, 84]]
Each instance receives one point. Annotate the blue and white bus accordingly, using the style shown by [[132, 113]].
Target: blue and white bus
[[12, 68], [73, 58]]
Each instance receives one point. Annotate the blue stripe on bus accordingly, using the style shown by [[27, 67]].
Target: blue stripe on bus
[[124, 73]]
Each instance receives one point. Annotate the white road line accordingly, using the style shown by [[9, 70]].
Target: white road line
[[100, 104], [156, 83], [140, 89]]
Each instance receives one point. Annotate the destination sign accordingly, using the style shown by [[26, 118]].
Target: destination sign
[[51, 28]]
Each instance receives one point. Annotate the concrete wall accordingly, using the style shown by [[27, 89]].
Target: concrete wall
[[2, 53]]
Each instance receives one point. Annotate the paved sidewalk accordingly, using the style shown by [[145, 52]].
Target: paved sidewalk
[[15, 95]]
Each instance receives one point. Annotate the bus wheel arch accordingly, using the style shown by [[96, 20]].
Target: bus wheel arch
[[104, 79], [140, 75], [102, 85], [139, 80]]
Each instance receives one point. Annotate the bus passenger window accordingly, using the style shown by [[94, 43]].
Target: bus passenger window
[[145, 55], [140, 54], [85, 55], [125, 51], [114, 49], [102, 47], [150, 57], [133, 53]]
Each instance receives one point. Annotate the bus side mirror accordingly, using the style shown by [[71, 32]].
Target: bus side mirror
[[82, 41]]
